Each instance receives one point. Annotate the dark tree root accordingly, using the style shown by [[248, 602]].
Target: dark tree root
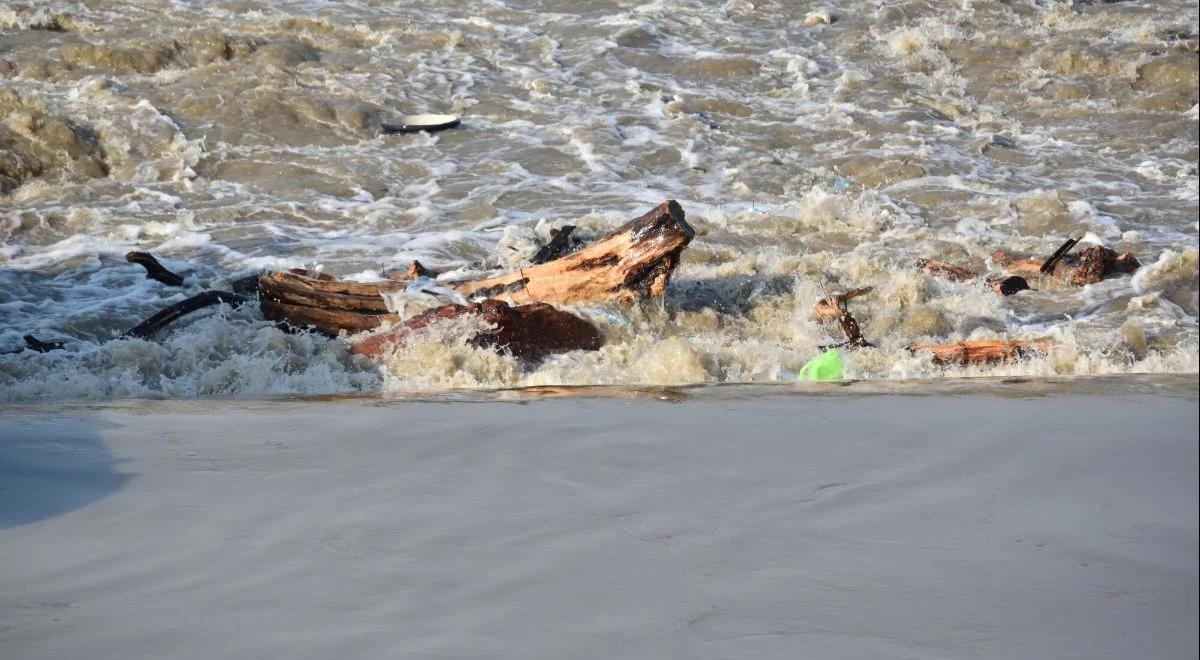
[[187, 306], [834, 309], [246, 286], [1048, 265], [37, 346], [560, 243], [40, 346], [154, 270]]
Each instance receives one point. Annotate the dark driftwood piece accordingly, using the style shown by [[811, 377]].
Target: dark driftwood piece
[[1048, 264], [186, 306], [984, 352], [530, 332], [560, 242], [1087, 266], [834, 309], [38, 346], [154, 269]]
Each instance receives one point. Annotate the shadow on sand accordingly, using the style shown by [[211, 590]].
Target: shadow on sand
[[52, 467]]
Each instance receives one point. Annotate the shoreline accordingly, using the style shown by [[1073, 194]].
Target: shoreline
[[1025, 523]]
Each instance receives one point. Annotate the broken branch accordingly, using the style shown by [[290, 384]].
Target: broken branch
[[186, 306], [154, 269]]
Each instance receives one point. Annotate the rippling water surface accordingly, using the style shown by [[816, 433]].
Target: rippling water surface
[[815, 147]]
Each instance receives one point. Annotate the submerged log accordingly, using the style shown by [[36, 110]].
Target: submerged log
[[1087, 266], [1005, 286], [947, 271], [529, 332], [634, 262], [185, 306], [38, 346], [984, 352]]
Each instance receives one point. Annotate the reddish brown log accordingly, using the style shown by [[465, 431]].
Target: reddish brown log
[[327, 321], [984, 352], [529, 332], [947, 271], [1087, 266]]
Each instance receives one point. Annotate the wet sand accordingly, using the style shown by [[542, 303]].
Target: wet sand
[[1042, 520], [816, 148]]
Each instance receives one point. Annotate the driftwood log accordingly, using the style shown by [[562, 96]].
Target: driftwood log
[[634, 262], [529, 332], [984, 352], [1088, 266], [1001, 284]]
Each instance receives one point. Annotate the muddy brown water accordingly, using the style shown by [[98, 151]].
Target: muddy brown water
[[816, 147]]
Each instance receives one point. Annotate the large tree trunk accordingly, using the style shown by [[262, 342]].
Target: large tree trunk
[[530, 332], [984, 352], [1087, 266]]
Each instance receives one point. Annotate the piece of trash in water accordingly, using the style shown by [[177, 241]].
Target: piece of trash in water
[[423, 291], [825, 367], [841, 185], [418, 123]]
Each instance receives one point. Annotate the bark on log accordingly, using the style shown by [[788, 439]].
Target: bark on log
[[947, 271], [632, 263], [530, 332], [984, 352], [326, 321], [1087, 266], [1007, 286], [559, 243]]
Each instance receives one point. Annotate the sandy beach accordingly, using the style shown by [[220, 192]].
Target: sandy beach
[[1002, 520]]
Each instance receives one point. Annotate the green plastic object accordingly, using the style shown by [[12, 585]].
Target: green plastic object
[[825, 367]]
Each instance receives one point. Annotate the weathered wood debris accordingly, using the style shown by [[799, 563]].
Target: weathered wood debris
[[633, 263], [1088, 266], [519, 312], [982, 352]]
